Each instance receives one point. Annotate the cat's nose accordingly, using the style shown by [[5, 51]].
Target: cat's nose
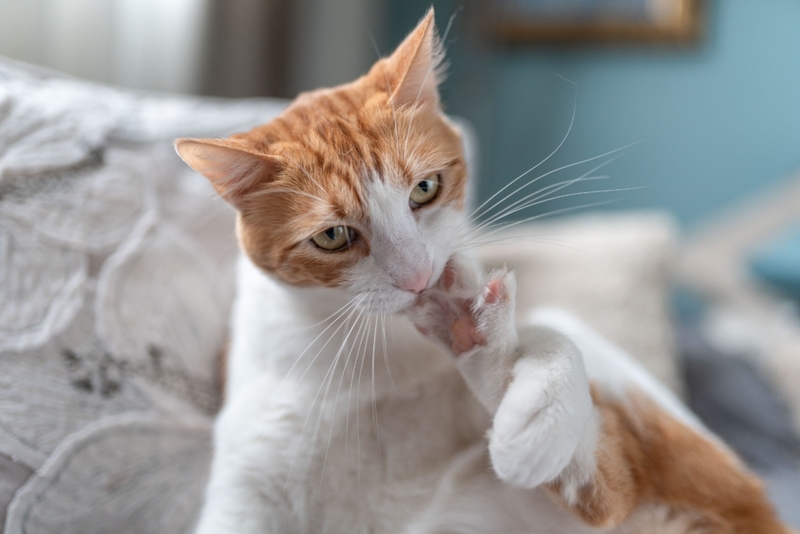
[[417, 282]]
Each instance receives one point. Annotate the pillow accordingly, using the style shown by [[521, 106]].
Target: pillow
[[614, 270], [116, 281]]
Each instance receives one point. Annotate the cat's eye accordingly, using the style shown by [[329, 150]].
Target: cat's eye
[[335, 238], [424, 192]]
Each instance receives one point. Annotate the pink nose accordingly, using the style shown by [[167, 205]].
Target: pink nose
[[416, 283]]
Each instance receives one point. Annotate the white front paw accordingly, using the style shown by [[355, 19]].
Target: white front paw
[[545, 412]]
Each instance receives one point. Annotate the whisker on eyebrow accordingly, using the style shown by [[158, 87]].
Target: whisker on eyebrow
[[271, 191]]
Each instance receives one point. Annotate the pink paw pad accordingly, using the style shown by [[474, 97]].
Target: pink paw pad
[[495, 291], [465, 335]]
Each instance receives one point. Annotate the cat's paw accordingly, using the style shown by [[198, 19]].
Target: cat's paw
[[546, 418], [474, 319], [485, 340]]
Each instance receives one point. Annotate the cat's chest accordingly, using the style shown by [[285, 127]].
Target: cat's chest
[[382, 461]]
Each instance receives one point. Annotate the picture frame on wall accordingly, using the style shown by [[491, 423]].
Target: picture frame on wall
[[609, 21]]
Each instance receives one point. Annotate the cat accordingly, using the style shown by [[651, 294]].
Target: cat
[[377, 381]]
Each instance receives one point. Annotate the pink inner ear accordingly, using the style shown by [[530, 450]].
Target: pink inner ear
[[418, 64], [232, 171]]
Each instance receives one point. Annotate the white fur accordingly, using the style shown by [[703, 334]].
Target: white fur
[[332, 426]]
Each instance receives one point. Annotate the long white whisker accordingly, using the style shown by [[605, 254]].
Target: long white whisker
[[331, 368], [563, 140], [336, 397], [544, 191], [374, 404], [361, 336], [289, 191], [548, 214], [490, 242], [537, 201], [349, 308], [548, 173], [386, 356], [358, 411], [315, 182]]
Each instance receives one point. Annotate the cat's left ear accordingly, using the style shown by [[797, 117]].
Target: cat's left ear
[[416, 68], [233, 170]]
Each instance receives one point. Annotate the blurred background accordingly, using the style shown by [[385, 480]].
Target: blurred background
[[714, 112], [701, 99]]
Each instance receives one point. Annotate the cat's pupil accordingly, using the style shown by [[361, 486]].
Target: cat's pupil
[[425, 185], [331, 233]]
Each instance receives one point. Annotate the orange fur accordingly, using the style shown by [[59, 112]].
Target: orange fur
[[305, 171], [646, 457]]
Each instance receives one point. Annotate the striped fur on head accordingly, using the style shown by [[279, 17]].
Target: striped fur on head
[[320, 162]]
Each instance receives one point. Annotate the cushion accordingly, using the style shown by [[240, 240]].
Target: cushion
[[613, 270], [116, 281]]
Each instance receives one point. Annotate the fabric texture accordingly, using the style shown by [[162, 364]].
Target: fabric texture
[[116, 280]]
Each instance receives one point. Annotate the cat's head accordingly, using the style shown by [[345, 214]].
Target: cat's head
[[360, 187]]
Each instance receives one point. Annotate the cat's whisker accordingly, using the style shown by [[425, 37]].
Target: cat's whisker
[[566, 195], [362, 334], [347, 309], [338, 393], [325, 320], [503, 227], [263, 192], [548, 173], [540, 200], [540, 193], [386, 355], [509, 184], [358, 404], [327, 378], [374, 404], [313, 180], [481, 244], [350, 312]]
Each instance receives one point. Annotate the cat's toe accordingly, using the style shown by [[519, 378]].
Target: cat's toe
[[493, 311]]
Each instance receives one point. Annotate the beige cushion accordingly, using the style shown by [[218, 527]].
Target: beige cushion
[[613, 270]]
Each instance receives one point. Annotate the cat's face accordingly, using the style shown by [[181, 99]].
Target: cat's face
[[360, 187]]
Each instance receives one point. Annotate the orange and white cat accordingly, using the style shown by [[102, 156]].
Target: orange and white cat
[[351, 210]]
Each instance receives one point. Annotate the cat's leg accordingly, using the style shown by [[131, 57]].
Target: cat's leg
[[609, 448], [249, 486], [531, 378]]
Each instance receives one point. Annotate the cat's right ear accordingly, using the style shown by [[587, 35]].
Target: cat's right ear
[[232, 170]]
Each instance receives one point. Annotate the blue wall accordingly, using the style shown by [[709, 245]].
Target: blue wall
[[714, 122]]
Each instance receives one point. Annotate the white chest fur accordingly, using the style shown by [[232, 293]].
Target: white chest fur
[[350, 426]]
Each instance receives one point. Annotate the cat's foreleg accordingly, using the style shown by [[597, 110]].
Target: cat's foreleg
[[531, 378], [255, 444], [610, 444]]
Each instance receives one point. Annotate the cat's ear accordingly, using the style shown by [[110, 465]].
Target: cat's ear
[[417, 66], [233, 170]]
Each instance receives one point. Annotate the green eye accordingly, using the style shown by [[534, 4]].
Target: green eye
[[335, 238], [425, 191]]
